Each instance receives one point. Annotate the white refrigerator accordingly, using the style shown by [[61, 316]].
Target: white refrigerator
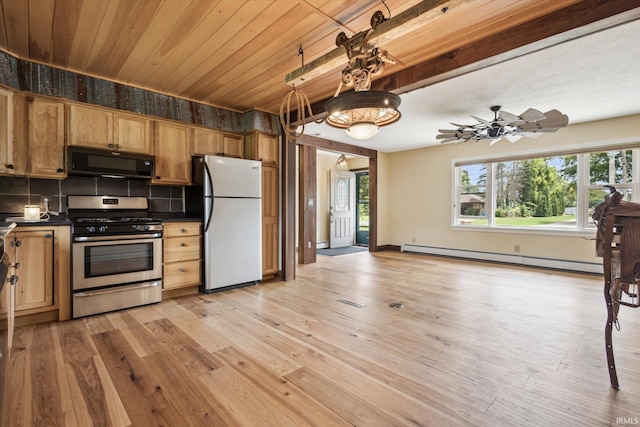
[[227, 197]]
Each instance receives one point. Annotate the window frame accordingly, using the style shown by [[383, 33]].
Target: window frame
[[582, 180]]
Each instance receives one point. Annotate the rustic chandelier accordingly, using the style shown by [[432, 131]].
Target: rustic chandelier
[[362, 112]]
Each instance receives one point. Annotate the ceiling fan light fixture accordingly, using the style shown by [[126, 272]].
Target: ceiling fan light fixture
[[368, 110], [363, 130]]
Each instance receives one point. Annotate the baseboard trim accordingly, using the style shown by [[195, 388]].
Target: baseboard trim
[[557, 264], [390, 248]]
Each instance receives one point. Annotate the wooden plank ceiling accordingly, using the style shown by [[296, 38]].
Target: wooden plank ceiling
[[230, 53]]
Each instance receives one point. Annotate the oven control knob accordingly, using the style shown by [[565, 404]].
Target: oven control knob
[[91, 229], [102, 229]]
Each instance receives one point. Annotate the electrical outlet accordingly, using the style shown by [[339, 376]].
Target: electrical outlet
[[413, 240], [516, 249], [45, 202]]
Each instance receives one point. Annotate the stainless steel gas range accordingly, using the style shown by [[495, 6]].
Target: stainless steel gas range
[[116, 254]]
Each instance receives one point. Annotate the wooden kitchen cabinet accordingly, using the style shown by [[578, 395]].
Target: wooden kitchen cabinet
[[131, 133], [270, 204], [34, 289], [173, 148], [7, 165], [182, 254], [43, 287], [216, 143], [90, 127], [45, 140], [266, 148], [104, 129], [263, 147]]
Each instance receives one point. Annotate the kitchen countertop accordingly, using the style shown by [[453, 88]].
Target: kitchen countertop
[[20, 221], [7, 220]]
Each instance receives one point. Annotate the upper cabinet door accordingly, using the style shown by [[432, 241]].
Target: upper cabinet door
[[263, 147], [217, 143], [173, 147], [90, 127], [6, 132], [46, 138], [132, 133]]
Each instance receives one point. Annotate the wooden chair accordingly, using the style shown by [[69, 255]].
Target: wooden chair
[[618, 243]]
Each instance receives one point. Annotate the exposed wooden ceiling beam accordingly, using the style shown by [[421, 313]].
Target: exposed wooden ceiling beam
[[337, 147], [397, 26], [577, 20]]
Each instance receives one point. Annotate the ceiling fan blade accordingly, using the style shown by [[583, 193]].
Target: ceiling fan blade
[[555, 119], [513, 137], [507, 117], [448, 130], [452, 139], [461, 126], [446, 135], [532, 115], [486, 122]]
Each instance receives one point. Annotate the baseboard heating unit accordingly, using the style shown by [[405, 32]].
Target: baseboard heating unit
[[584, 267]]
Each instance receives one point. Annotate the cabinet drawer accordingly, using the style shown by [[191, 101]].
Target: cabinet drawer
[[181, 249], [181, 229], [179, 274]]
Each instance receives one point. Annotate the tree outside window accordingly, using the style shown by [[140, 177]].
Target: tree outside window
[[542, 192]]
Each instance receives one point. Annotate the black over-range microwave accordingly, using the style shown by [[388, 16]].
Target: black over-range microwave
[[109, 164]]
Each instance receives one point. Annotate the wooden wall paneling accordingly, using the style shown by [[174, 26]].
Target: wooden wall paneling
[[307, 202], [40, 19], [288, 174], [170, 25]]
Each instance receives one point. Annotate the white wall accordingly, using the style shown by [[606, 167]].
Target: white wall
[[325, 161], [415, 193]]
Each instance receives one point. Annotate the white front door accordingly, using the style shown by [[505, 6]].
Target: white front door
[[342, 210]]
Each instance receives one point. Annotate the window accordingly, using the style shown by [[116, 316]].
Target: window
[[557, 192]]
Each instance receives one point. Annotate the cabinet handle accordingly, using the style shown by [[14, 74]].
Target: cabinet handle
[[59, 170], [14, 279], [110, 145], [183, 244], [16, 243], [182, 270], [117, 146], [157, 176], [16, 265], [10, 166], [182, 230], [48, 236]]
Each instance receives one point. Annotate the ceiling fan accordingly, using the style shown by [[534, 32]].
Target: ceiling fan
[[529, 124]]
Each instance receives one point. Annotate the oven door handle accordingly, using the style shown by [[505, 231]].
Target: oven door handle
[[115, 290], [118, 237]]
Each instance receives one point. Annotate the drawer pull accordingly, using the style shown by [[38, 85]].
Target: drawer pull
[[182, 230], [183, 244], [182, 270]]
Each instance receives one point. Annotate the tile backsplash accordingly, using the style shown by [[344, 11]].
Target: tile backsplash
[[15, 192]]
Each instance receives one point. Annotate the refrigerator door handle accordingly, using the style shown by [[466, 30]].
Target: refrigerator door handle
[[209, 196]]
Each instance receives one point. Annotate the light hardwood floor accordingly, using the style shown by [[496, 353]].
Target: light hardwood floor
[[475, 344]]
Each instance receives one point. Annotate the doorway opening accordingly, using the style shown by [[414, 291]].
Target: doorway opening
[[362, 208]]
